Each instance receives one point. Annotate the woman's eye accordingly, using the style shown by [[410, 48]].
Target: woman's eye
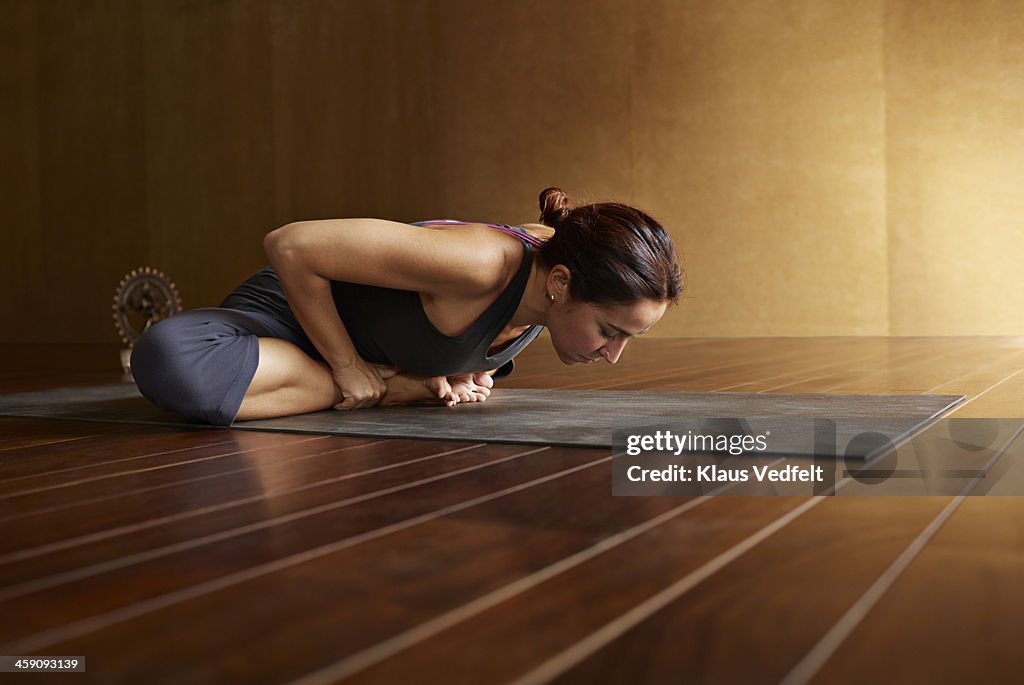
[[608, 335]]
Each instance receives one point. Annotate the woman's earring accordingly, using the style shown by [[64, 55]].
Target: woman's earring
[[552, 297]]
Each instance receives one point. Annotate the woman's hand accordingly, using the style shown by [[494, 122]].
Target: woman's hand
[[361, 384]]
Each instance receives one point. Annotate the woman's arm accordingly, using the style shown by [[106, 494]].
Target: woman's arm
[[438, 260], [307, 255]]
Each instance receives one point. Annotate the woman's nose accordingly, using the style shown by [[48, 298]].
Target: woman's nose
[[612, 350]]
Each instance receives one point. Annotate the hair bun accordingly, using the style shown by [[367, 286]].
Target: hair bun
[[554, 206]]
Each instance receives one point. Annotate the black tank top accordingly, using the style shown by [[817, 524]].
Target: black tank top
[[389, 326]]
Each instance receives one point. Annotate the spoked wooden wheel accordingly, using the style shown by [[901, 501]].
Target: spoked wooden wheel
[[144, 297]]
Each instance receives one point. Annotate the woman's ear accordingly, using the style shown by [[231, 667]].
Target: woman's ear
[[558, 281]]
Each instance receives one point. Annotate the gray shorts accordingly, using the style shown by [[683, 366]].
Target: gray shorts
[[200, 363]]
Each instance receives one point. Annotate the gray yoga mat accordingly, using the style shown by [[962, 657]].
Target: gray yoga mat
[[536, 417]]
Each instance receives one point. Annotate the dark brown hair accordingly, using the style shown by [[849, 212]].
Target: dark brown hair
[[616, 253]]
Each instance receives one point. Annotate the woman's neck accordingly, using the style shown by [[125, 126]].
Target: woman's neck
[[533, 307]]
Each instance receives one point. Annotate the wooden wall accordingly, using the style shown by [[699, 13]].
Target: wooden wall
[[826, 168], [955, 166]]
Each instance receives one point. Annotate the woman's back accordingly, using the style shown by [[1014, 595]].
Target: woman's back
[[419, 332]]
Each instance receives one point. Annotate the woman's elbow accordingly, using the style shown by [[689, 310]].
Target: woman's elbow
[[280, 241]]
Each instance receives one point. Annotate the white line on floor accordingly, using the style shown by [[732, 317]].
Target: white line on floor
[[42, 640]]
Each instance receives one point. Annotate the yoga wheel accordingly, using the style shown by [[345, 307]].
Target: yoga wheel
[[144, 297]]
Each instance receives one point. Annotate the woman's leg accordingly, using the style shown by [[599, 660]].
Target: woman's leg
[[206, 363], [220, 365], [288, 381]]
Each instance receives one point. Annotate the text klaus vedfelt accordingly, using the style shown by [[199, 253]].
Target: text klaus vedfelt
[[675, 443]]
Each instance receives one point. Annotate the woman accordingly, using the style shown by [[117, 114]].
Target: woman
[[358, 312]]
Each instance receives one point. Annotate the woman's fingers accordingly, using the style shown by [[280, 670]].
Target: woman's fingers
[[354, 401], [361, 385]]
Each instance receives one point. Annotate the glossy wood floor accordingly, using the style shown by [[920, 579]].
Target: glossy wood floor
[[215, 556]]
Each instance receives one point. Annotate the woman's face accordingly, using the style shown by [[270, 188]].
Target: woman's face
[[583, 333]]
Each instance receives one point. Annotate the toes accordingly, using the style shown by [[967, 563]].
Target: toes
[[439, 385], [453, 398], [468, 387]]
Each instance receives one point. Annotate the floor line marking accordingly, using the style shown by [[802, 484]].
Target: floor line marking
[[823, 650], [384, 649], [69, 631], [570, 657], [137, 491], [971, 372], [37, 584], [566, 659], [49, 443], [56, 486], [987, 390]]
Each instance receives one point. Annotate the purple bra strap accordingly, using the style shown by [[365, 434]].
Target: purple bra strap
[[536, 242]]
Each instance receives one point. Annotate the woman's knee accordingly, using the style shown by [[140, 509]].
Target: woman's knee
[[167, 371], [153, 362]]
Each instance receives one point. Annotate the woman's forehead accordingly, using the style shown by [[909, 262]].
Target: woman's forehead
[[632, 317]]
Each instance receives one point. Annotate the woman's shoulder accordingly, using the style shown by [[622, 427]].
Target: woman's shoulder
[[489, 258], [539, 231], [490, 254], [500, 253]]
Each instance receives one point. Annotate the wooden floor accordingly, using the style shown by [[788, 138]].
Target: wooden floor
[[214, 556]]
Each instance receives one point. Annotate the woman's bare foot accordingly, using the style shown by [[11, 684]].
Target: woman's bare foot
[[465, 387], [403, 388]]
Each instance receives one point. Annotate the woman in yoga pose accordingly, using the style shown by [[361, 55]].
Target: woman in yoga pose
[[358, 312]]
